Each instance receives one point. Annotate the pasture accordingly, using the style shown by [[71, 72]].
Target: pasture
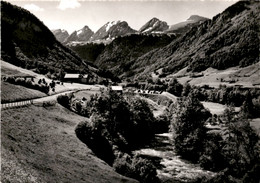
[[11, 93], [39, 145]]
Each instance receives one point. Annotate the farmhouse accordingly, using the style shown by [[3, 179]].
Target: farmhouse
[[118, 89], [77, 78]]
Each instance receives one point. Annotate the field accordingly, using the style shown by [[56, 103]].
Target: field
[[216, 108], [39, 145], [86, 94], [11, 92]]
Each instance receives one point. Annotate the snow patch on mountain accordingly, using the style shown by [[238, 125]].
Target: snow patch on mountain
[[110, 24], [79, 31]]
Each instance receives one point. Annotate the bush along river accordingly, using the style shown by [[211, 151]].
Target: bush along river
[[170, 167]]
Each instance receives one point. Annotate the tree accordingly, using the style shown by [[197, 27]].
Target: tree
[[142, 120], [186, 89], [247, 109], [188, 126], [175, 87]]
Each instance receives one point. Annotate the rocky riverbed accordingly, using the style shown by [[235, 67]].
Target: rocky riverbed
[[170, 167]]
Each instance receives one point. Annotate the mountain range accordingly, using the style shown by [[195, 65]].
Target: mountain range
[[230, 39], [111, 30]]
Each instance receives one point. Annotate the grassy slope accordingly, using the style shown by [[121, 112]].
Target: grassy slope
[[86, 94], [39, 145], [11, 92], [247, 76]]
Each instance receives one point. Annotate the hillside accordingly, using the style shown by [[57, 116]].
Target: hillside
[[41, 146], [229, 39], [89, 51], [28, 43], [234, 76], [120, 55]]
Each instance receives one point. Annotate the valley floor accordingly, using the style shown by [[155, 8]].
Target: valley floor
[[39, 145]]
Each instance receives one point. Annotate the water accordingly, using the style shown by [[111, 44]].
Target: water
[[170, 167]]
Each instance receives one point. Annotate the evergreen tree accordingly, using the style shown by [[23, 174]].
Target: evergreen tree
[[247, 109]]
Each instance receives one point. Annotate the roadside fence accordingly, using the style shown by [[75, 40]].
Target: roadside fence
[[16, 104]]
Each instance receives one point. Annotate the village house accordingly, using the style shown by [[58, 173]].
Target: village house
[[117, 89], [76, 78]]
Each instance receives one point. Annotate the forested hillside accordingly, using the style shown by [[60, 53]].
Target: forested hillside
[[28, 43], [229, 39], [88, 51], [120, 55]]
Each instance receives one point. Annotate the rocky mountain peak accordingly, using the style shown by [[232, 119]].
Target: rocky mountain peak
[[81, 35], [112, 30], [60, 34], [154, 25]]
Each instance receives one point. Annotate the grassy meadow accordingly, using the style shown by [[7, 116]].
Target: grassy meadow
[[39, 145], [11, 93]]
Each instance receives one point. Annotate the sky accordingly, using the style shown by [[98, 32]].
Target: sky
[[73, 15]]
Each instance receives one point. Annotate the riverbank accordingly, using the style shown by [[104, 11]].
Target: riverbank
[[170, 167]]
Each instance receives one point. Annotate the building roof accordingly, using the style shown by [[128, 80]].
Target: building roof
[[74, 76], [117, 88], [71, 76]]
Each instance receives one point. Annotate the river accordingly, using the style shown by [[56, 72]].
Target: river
[[170, 167]]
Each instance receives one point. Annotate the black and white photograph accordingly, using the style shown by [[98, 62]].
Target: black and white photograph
[[127, 91]]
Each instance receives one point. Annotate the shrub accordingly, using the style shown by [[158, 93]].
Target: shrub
[[20, 81], [175, 87], [161, 124], [144, 170], [212, 158], [78, 107], [137, 168], [64, 100], [92, 134], [10, 80]]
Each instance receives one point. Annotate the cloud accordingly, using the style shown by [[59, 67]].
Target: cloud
[[65, 4], [33, 7]]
